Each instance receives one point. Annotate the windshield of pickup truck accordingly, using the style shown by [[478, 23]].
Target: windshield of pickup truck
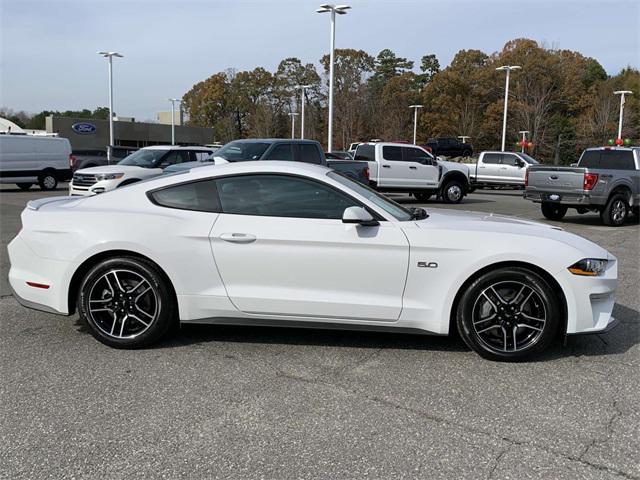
[[242, 151], [394, 209], [143, 158], [529, 159]]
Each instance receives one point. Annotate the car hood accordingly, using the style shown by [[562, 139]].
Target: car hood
[[112, 169], [488, 222]]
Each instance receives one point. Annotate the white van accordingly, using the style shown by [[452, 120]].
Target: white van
[[29, 159]]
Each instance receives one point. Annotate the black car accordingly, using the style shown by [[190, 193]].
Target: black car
[[449, 147], [97, 158]]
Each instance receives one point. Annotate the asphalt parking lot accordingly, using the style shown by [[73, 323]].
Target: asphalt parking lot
[[223, 402]]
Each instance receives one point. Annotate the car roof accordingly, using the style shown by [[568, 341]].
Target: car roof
[[631, 148], [392, 144], [175, 147]]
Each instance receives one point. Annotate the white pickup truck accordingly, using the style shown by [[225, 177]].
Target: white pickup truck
[[501, 168], [400, 167]]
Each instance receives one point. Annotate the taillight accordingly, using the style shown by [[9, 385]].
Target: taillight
[[590, 180], [526, 177], [72, 161], [366, 174]]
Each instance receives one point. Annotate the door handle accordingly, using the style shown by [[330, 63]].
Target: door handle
[[413, 168], [386, 166], [503, 168], [238, 237]]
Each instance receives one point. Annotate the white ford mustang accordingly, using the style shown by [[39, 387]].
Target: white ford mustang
[[278, 243]]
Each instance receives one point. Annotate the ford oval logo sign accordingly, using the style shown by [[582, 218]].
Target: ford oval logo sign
[[84, 128]]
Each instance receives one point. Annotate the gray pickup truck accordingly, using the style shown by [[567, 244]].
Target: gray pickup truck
[[605, 180]]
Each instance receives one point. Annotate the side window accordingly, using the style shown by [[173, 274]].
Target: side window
[[281, 196], [392, 153], [281, 151], [365, 152], [416, 155], [200, 196], [509, 160], [309, 153], [201, 156], [173, 157], [491, 158]]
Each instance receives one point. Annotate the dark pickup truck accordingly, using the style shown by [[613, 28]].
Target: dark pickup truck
[[295, 150], [80, 159], [449, 147]]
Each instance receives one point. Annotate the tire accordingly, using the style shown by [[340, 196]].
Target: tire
[[48, 181], [126, 302], [509, 314], [466, 153], [452, 192], [24, 186], [553, 211], [422, 196], [615, 211]]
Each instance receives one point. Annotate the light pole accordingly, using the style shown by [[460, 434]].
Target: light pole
[[524, 138], [622, 93], [302, 98], [293, 123], [110, 56], [508, 69], [173, 118], [415, 120], [340, 10]]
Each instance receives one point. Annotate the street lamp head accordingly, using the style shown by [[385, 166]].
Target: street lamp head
[[416, 106], [509, 67], [327, 7], [302, 87], [623, 92], [110, 54], [293, 114], [175, 100]]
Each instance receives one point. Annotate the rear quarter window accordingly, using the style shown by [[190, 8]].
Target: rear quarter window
[[617, 160], [199, 196], [365, 152]]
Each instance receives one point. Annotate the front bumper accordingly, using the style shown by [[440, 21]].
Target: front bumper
[[98, 187], [26, 266], [590, 300]]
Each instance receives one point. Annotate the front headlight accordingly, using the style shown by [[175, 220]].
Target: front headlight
[[590, 267], [109, 176]]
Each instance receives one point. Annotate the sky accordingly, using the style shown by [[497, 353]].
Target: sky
[[48, 48]]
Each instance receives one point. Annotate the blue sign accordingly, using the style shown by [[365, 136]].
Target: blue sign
[[84, 128]]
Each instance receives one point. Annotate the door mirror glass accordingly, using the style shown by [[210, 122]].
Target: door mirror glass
[[358, 215]]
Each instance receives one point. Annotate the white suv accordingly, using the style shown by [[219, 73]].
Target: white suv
[[145, 163]]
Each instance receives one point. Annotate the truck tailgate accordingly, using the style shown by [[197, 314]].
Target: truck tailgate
[[556, 179]]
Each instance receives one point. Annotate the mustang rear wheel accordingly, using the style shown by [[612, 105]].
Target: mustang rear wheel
[[126, 303], [509, 314]]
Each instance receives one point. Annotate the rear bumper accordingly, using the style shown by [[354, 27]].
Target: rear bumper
[[572, 199], [26, 266]]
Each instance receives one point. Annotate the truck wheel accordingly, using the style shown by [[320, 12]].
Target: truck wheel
[[24, 186], [466, 153], [48, 181], [422, 196], [452, 192], [553, 211], [616, 211]]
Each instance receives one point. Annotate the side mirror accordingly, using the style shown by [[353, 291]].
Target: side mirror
[[360, 216], [520, 164]]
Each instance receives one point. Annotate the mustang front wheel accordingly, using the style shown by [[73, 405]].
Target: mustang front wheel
[[126, 303], [508, 314]]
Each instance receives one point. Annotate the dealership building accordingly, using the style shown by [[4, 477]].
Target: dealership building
[[92, 134]]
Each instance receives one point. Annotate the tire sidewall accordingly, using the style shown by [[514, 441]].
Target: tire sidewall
[[465, 307], [608, 211], [445, 192], [43, 177], [166, 303]]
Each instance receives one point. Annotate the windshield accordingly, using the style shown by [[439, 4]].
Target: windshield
[[143, 158], [529, 159], [392, 208], [242, 151]]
